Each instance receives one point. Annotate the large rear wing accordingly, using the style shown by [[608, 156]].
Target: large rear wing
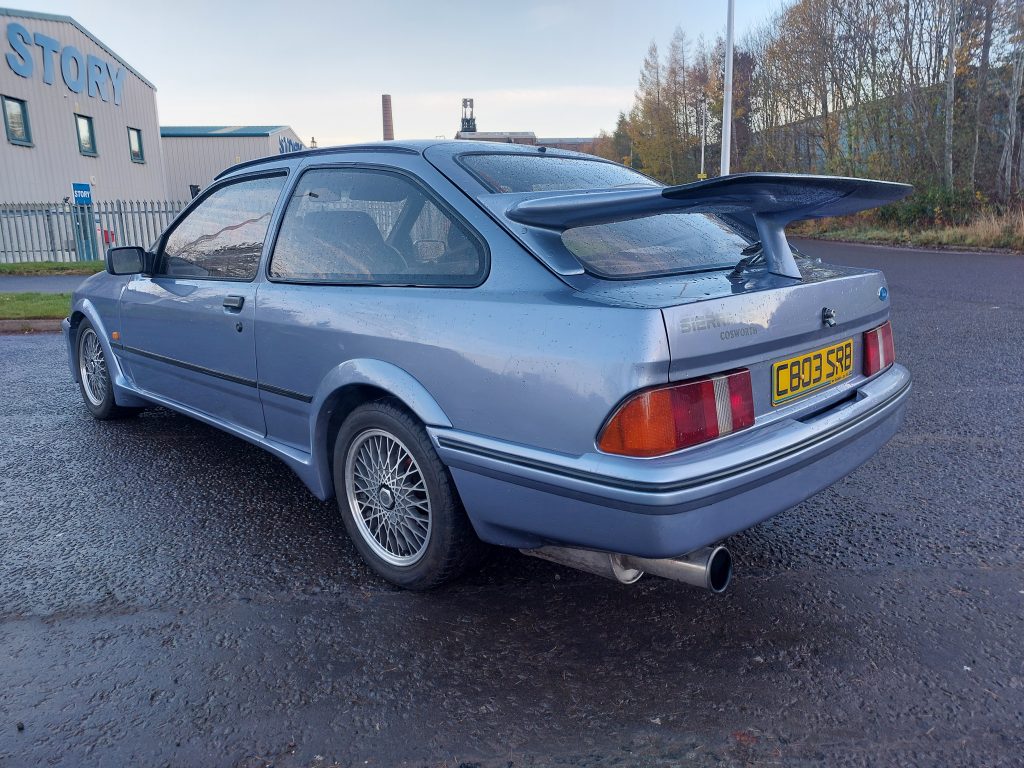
[[772, 199]]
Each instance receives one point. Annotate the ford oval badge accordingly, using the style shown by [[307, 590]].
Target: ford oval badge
[[883, 293]]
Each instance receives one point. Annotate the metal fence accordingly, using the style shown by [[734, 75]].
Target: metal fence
[[66, 232]]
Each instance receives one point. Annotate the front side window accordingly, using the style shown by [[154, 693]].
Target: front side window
[[222, 237], [135, 145], [16, 121], [363, 226], [86, 136]]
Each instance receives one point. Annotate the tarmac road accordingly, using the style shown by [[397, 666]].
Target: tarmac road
[[170, 595]]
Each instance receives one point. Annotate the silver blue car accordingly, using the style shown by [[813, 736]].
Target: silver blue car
[[470, 343]]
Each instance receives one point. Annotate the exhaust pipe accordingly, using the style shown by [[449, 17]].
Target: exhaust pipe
[[606, 564], [709, 568]]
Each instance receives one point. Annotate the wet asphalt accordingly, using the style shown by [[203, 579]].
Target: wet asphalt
[[170, 595]]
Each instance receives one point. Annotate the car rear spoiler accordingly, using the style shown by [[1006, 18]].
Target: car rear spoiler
[[772, 199]]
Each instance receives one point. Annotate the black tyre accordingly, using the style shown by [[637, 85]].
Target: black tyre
[[94, 376], [398, 500]]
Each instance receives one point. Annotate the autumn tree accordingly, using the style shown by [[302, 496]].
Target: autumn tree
[[926, 91]]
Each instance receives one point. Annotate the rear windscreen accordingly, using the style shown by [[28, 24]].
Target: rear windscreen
[[509, 172], [670, 243], [667, 244]]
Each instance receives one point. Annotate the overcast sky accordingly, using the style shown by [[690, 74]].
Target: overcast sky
[[557, 68]]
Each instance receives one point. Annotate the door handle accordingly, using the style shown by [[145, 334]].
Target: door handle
[[234, 303]]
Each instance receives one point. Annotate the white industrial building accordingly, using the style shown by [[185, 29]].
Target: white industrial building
[[195, 154], [80, 124], [74, 112]]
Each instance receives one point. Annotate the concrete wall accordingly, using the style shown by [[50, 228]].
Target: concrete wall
[[45, 171], [198, 159]]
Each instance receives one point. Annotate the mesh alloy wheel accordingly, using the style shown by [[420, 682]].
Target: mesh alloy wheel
[[388, 497], [92, 367]]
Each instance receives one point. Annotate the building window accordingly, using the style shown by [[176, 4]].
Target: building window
[[86, 136], [16, 122], [135, 145]]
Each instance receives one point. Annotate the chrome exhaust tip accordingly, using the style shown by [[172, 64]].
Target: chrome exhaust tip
[[709, 568]]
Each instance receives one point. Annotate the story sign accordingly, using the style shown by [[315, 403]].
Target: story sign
[[81, 73]]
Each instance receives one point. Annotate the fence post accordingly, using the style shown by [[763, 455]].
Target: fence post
[[4, 239], [38, 228], [67, 229], [122, 237], [49, 235]]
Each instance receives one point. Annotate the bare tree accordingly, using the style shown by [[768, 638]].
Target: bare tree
[[981, 84], [950, 91], [1006, 186]]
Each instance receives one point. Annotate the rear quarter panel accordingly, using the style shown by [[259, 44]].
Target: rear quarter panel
[[522, 358]]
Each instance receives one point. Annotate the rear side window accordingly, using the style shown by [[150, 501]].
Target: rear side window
[[509, 172], [222, 237], [370, 226], [671, 243]]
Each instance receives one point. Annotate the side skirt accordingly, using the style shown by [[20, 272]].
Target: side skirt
[[300, 462]]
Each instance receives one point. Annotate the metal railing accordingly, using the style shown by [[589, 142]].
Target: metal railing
[[66, 232]]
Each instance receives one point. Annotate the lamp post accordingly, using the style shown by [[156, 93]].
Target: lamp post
[[727, 100], [703, 138]]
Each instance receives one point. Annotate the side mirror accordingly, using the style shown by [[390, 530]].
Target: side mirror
[[128, 260]]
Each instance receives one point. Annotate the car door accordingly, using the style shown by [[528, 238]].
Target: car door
[[187, 331]]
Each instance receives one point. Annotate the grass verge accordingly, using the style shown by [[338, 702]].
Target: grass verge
[[988, 231], [31, 306], [52, 268]]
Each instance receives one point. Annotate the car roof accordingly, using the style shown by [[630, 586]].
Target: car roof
[[410, 147]]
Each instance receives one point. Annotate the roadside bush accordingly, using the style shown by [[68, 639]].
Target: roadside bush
[[934, 207], [990, 229]]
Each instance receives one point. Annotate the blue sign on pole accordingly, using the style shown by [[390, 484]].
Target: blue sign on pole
[[85, 230], [82, 193]]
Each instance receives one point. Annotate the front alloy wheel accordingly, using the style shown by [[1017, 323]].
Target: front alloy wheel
[[92, 368], [94, 376]]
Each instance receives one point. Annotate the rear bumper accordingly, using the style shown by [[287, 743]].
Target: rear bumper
[[521, 497]]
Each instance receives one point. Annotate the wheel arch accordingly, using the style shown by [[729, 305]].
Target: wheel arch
[[352, 384], [74, 321], [84, 309]]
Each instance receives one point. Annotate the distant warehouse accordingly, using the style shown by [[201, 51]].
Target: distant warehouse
[[195, 154], [80, 124]]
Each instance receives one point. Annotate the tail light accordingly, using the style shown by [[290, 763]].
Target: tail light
[[663, 420], [879, 350]]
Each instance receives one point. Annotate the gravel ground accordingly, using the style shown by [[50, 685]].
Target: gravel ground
[[170, 595]]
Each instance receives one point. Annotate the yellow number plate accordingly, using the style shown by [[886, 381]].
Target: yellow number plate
[[805, 373]]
